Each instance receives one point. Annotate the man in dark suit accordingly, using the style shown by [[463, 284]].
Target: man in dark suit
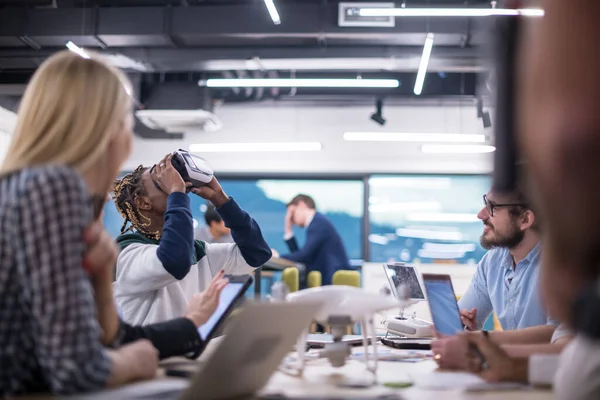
[[323, 250]]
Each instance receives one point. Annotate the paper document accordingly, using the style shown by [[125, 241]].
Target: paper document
[[460, 380]]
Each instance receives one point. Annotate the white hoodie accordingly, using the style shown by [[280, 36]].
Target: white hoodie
[[147, 293]]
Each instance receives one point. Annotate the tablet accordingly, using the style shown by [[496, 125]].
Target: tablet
[[443, 305], [400, 273], [230, 296]]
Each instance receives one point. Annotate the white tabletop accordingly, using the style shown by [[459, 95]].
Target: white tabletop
[[321, 380]]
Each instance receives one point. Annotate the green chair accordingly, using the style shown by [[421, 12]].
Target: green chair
[[314, 279], [291, 277], [346, 278]]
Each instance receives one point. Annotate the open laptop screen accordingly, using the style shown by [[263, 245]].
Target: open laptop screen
[[443, 305], [229, 296]]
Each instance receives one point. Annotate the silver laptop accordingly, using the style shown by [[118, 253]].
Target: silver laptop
[[256, 342]]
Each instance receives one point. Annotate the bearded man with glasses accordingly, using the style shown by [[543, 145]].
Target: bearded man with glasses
[[506, 283]]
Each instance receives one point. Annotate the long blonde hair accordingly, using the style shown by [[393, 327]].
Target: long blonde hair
[[68, 113]]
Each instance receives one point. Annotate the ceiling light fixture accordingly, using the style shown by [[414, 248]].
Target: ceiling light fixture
[[77, 50], [449, 12], [254, 147], [423, 64], [377, 116], [273, 12], [457, 149], [413, 137], [296, 83]]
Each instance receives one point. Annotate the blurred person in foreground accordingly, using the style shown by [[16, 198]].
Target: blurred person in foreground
[[559, 132], [57, 314]]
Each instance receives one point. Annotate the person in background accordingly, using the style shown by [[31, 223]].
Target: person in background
[[505, 282], [66, 150], [161, 266], [215, 230], [323, 250]]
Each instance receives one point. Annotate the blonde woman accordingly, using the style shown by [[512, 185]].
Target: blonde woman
[[74, 131]]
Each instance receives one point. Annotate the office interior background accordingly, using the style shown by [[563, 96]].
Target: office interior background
[[399, 171]]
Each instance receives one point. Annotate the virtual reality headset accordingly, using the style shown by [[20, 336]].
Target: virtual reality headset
[[193, 169]]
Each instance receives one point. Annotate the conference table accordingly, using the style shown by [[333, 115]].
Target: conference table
[[274, 264], [321, 381]]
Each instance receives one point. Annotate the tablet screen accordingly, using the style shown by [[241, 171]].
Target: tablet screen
[[403, 274], [444, 309], [228, 296]]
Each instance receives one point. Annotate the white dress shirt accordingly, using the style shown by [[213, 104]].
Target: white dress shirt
[[578, 374], [288, 236], [542, 367]]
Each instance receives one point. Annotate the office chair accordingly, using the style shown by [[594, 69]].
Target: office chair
[[347, 278], [291, 277], [314, 279]]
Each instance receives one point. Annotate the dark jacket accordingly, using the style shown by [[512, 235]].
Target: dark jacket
[[323, 250], [176, 337]]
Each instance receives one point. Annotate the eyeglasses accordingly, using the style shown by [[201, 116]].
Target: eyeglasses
[[155, 182], [491, 206]]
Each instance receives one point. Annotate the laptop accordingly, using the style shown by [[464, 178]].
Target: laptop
[[255, 344], [443, 305]]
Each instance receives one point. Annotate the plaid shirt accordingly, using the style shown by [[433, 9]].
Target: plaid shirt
[[49, 333]]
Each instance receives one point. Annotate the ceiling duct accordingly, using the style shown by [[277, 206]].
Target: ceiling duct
[[178, 107], [175, 121]]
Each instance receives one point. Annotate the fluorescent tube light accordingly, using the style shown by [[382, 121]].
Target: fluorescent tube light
[[295, 83], [76, 49], [423, 64], [449, 12], [413, 137], [457, 148], [273, 11], [254, 147]]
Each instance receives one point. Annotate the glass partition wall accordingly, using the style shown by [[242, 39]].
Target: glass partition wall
[[411, 218]]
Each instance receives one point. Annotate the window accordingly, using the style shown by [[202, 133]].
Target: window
[[265, 200], [426, 218]]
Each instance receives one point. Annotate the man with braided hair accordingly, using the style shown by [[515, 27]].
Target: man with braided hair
[[161, 266]]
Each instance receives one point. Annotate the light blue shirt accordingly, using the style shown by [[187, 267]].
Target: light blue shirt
[[512, 293]]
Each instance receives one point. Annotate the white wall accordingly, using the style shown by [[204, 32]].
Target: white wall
[[4, 140], [272, 121], [7, 124]]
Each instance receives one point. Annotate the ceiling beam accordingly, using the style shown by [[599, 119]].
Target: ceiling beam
[[210, 25]]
